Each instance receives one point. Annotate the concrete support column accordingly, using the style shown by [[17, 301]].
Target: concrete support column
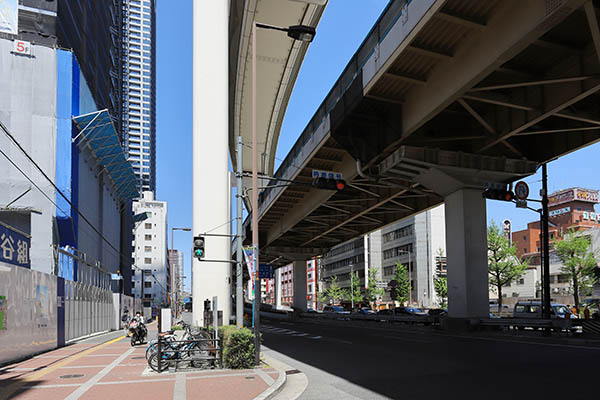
[[300, 284], [466, 248], [278, 288], [211, 189]]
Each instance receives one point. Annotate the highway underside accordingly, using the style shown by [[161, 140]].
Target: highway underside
[[343, 362]]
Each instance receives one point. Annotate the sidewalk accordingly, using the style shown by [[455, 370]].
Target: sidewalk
[[113, 369]]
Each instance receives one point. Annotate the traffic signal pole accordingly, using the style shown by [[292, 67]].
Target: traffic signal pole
[[546, 244]]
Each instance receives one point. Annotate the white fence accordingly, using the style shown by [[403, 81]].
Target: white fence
[[88, 309]]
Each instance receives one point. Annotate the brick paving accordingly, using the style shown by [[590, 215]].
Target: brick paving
[[116, 370]]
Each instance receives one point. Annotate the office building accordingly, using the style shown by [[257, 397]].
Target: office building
[[418, 242], [139, 89], [151, 280]]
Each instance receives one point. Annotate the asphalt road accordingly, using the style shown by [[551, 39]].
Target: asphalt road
[[343, 362]]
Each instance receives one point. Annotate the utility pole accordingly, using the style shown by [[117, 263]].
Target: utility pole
[[239, 292], [257, 285], [545, 243]]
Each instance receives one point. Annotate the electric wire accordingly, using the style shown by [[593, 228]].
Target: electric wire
[[16, 143]]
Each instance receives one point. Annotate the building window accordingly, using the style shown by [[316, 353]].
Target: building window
[[147, 249], [148, 225], [524, 237], [525, 250], [147, 261], [147, 272], [148, 237], [147, 284], [147, 295]]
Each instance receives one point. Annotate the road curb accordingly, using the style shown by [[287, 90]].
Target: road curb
[[276, 387]]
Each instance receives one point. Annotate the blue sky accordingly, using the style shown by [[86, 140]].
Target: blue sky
[[327, 56]]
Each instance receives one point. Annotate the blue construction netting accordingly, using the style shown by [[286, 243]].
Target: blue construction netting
[[98, 131]]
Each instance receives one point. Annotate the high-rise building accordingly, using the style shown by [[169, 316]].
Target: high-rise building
[[139, 90], [151, 280], [57, 76], [176, 267], [92, 29]]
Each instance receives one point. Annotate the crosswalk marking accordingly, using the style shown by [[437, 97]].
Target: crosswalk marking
[[290, 332]]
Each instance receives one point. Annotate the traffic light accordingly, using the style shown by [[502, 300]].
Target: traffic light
[[199, 252], [498, 194], [322, 182]]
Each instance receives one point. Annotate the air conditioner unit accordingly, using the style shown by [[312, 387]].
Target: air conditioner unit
[[555, 290]]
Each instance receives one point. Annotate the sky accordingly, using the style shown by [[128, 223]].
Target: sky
[[326, 58]]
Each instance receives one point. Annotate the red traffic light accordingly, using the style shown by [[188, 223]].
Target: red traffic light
[[498, 194], [329, 183]]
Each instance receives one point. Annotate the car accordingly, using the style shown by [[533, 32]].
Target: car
[[364, 311], [437, 312], [335, 310], [533, 309], [416, 311], [385, 311]]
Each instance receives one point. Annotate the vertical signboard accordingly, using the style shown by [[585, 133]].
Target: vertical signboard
[[14, 247], [9, 16]]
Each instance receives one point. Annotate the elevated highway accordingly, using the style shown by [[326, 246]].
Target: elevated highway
[[279, 59], [441, 97]]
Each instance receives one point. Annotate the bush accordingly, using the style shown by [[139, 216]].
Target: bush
[[238, 348], [177, 328]]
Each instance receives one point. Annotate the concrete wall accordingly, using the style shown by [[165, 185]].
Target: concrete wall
[[28, 109], [29, 312]]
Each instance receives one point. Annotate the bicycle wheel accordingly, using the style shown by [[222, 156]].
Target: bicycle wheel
[[151, 349], [153, 363]]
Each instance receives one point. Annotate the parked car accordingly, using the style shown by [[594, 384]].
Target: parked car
[[533, 309], [364, 311], [335, 309], [438, 312], [385, 311]]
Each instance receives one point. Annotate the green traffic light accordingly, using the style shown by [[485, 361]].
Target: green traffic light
[[198, 253]]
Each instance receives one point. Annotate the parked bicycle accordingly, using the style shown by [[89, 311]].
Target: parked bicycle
[[197, 348]]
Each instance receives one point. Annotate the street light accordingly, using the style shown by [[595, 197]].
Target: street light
[[296, 32], [173, 293]]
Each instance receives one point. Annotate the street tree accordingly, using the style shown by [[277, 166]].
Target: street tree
[[373, 292], [401, 276], [578, 263], [335, 292], [440, 285], [440, 282], [355, 292], [504, 267]]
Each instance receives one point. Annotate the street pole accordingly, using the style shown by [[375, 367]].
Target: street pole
[[546, 245], [351, 286], [409, 277], [257, 285], [239, 305]]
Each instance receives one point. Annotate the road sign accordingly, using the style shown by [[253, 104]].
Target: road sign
[[265, 271], [521, 190], [521, 203], [393, 283], [381, 284]]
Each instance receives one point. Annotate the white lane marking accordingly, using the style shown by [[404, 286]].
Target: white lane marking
[[407, 339], [179, 391], [96, 378], [316, 337], [268, 380]]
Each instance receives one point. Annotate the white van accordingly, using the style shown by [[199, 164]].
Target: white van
[[533, 309]]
